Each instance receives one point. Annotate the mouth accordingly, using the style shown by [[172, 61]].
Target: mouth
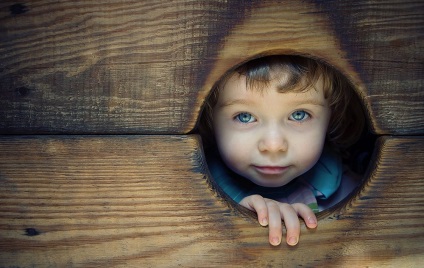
[[271, 170]]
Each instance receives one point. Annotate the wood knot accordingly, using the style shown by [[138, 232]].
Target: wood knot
[[23, 91], [31, 232], [18, 9]]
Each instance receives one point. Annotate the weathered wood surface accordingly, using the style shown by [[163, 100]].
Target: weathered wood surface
[[132, 201], [147, 66]]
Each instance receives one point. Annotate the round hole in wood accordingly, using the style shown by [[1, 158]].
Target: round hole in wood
[[289, 128]]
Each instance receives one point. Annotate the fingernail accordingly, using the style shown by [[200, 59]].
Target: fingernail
[[312, 221], [275, 241], [292, 241], [264, 222]]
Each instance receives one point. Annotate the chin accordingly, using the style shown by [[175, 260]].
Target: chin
[[269, 183]]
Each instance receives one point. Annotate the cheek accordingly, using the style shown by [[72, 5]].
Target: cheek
[[234, 149], [309, 149], [310, 156]]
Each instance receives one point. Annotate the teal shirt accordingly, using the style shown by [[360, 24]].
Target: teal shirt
[[322, 180]]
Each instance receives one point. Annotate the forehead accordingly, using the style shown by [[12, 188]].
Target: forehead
[[237, 85]]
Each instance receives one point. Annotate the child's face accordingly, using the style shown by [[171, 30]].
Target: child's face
[[270, 137]]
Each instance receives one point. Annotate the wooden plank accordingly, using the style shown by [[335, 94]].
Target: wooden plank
[[144, 201], [384, 41], [101, 67], [147, 66]]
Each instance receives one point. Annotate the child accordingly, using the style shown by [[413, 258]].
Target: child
[[277, 123]]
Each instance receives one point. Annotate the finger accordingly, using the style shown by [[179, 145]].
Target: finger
[[275, 225], [291, 221], [257, 203], [306, 214]]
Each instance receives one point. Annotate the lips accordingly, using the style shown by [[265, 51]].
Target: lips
[[271, 170]]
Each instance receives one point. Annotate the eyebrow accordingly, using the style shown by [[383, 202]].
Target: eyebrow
[[234, 102], [310, 101], [295, 103]]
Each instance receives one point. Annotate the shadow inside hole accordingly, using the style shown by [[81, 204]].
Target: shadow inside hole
[[355, 158]]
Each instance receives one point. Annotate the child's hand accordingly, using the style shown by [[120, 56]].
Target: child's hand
[[271, 212]]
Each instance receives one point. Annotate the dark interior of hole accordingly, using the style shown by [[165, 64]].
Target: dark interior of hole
[[357, 157], [360, 153]]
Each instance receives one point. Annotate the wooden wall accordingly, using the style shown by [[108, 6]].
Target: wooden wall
[[144, 68]]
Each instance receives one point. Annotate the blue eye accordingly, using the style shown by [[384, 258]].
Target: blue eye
[[245, 118], [299, 115]]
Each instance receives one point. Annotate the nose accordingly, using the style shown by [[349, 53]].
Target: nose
[[273, 140]]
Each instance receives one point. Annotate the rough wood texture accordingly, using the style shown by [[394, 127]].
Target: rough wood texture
[[147, 66], [132, 201]]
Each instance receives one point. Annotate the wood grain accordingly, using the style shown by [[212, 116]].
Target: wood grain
[[146, 67], [142, 67], [145, 201]]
